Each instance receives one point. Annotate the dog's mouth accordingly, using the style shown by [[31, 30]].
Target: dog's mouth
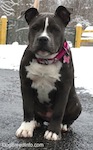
[[45, 55], [42, 54]]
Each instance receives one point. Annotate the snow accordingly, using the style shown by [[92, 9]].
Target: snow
[[79, 25], [89, 28], [10, 56], [87, 33], [83, 61], [3, 16]]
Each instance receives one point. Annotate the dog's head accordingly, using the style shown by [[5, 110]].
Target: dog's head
[[46, 31]]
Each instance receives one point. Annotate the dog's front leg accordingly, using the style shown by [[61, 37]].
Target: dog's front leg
[[28, 125], [54, 128]]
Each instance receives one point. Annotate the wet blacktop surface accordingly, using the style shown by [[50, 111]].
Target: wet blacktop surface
[[80, 137]]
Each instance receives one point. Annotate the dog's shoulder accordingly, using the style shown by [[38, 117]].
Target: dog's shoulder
[[27, 55], [26, 59]]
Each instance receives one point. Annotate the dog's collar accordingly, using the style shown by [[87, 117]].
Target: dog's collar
[[63, 53]]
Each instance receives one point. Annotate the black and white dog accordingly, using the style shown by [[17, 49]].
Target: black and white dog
[[47, 75]]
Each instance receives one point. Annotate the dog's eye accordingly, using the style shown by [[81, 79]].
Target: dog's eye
[[54, 29], [36, 27]]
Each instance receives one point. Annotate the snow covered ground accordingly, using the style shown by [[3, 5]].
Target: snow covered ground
[[83, 65], [10, 56]]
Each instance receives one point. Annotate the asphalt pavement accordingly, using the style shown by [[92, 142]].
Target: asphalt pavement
[[80, 137]]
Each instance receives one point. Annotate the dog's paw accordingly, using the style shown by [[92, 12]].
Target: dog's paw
[[26, 129], [51, 136], [64, 128]]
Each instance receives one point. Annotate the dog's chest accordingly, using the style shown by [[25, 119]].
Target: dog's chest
[[43, 78]]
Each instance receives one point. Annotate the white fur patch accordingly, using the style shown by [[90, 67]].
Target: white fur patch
[[51, 136], [26, 129], [44, 33], [44, 78]]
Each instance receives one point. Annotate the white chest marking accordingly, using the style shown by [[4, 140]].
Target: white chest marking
[[44, 33], [43, 78]]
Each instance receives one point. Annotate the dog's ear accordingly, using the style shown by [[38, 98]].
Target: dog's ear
[[64, 14], [30, 14]]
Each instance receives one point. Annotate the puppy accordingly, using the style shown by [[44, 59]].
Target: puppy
[[47, 75]]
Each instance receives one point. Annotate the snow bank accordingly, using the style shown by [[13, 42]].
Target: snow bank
[[10, 56], [83, 65]]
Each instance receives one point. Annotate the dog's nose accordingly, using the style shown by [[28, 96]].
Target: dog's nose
[[42, 40]]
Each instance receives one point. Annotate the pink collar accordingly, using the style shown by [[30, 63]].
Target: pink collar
[[60, 54]]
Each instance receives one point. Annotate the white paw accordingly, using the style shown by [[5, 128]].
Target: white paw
[[26, 129], [51, 136], [64, 127]]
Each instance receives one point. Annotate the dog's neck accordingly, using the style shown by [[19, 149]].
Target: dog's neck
[[64, 51]]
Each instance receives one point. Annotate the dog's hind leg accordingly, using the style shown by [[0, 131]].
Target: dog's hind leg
[[73, 109]]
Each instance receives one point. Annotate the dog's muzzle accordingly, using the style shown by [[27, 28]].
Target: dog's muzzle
[[43, 49], [63, 53], [42, 40]]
